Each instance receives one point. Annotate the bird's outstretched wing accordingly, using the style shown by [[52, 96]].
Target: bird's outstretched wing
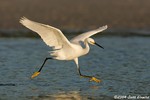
[[52, 36], [85, 35]]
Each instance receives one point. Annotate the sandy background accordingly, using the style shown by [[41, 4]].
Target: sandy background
[[77, 14]]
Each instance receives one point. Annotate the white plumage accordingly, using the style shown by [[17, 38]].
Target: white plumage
[[86, 35], [63, 49]]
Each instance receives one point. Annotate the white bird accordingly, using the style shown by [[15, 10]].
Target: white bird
[[63, 49]]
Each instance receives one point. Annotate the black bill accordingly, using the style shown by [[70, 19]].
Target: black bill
[[99, 45]]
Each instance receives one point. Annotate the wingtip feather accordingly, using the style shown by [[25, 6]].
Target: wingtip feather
[[104, 27], [22, 20]]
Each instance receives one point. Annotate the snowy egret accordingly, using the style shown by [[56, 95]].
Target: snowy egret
[[63, 49]]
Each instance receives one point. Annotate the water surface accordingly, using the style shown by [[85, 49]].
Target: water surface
[[123, 66]]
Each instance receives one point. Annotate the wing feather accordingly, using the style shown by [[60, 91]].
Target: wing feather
[[52, 36], [85, 35]]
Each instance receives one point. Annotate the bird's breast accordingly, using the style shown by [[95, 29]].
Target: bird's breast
[[77, 51], [71, 53]]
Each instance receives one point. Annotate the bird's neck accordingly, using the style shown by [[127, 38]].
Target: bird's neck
[[87, 48]]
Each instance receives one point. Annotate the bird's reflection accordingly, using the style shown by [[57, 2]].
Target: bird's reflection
[[71, 95]]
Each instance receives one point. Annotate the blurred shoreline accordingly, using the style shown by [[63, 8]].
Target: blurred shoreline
[[109, 32], [123, 17], [77, 14]]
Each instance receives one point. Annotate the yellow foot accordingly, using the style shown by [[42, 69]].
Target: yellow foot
[[35, 74], [95, 79]]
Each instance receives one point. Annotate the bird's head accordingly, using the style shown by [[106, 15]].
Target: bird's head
[[92, 41]]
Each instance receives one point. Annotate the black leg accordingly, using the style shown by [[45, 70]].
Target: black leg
[[38, 72], [83, 75], [90, 77], [44, 63]]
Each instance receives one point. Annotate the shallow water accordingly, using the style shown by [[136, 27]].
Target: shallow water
[[123, 66]]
